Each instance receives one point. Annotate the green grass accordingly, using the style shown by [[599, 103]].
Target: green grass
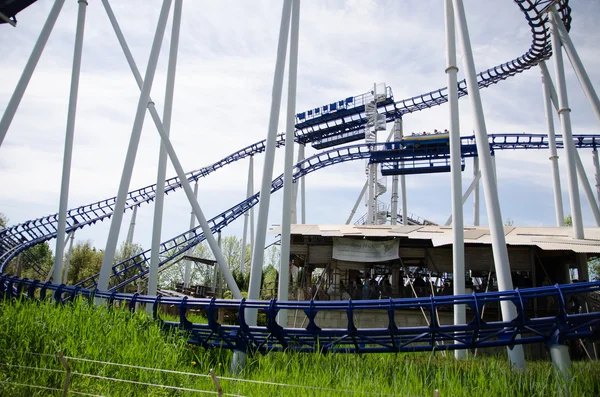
[[118, 336]]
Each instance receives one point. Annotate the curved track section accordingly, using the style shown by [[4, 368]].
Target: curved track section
[[135, 267], [557, 327], [540, 50]]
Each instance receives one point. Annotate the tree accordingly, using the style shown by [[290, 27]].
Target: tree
[[85, 262], [509, 222], [3, 221], [34, 263], [200, 274]]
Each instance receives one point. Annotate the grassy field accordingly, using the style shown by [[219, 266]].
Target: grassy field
[[32, 333]]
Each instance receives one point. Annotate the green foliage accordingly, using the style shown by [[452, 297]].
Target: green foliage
[[3, 221], [85, 262], [568, 220], [84, 331], [37, 261]]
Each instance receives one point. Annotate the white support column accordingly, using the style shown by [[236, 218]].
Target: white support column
[[131, 231], [357, 203], [117, 218], [286, 217], [561, 361], [403, 186], [458, 242], [159, 199], [500, 252], [69, 137], [300, 181], [174, 160], [558, 204], [596, 172], [251, 187], [68, 260], [38, 48], [580, 71], [476, 172], [303, 192], [564, 114], [265, 191], [371, 210], [466, 195], [585, 183], [249, 193], [187, 276]]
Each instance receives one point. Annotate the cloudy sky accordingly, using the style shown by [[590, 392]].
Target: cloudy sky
[[222, 99]]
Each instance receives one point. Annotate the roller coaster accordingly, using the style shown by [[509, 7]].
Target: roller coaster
[[327, 127]]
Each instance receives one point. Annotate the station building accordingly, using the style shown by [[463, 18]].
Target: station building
[[332, 262]]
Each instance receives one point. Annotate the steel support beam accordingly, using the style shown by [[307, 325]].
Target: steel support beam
[[69, 137], [564, 114], [265, 191], [286, 216], [490, 189]]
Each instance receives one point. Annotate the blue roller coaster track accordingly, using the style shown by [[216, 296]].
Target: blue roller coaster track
[[339, 122]]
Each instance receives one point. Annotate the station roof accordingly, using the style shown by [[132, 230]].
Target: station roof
[[546, 238]]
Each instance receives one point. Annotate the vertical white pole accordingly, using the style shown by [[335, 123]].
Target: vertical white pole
[[476, 179], [558, 204], [370, 196], [265, 191], [458, 243], [246, 219], [162, 155], [286, 217], [187, 276], [597, 172], [580, 71], [397, 137], [68, 260], [129, 239], [296, 185], [38, 48], [117, 218], [69, 137], [500, 252], [251, 184], [561, 360], [403, 186], [585, 183], [303, 190], [564, 114]]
